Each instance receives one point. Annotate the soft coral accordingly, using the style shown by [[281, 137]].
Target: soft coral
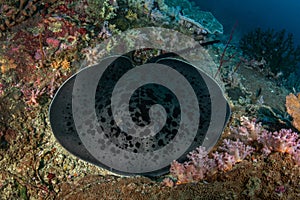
[[283, 141]]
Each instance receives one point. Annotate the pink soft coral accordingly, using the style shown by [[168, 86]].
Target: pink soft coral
[[283, 141], [249, 129], [201, 166], [224, 161], [233, 152], [237, 149], [196, 169], [178, 170]]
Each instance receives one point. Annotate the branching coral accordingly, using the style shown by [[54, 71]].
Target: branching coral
[[59, 63], [248, 131], [224, 161], [237, 149], [276, 48], [280, 141], [284, 140], [32, 95], [200, 165], [195, 169]]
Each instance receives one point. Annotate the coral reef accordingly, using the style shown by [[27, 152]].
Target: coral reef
[[15, 13], [237, 149], [42, 55], [194, 15], [194, 170], [276, 48], [283, 141], [182, 13], [100, 10], [254, 138], [293, 108], [249, 129], [44, 42], [201, 166]]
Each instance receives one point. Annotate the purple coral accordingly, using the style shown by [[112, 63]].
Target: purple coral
[[224, 161], [200, 166], [233, 152], [199, 158], [249, 131], [237, 149], [283, 141]]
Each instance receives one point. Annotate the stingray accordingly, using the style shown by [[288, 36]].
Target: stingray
[[143, 125]]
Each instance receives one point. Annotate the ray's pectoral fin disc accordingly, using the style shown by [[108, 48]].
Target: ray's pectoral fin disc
[[138, 126]]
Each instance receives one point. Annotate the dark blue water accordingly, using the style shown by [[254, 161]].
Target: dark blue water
[[277, 14]]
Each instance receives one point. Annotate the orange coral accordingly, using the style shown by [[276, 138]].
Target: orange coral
[[55, 64], [64, 64], [6, 64], [293, 108]]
